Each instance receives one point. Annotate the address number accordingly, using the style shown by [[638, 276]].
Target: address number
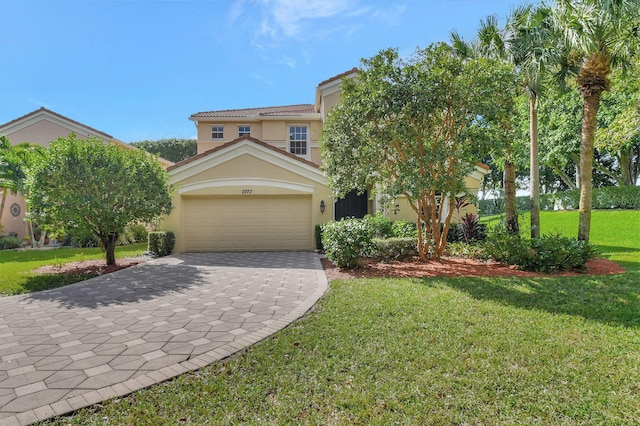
[[247, 191]]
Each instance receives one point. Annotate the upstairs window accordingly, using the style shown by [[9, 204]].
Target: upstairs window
[[298, 141], [244, 131], [217, 132]]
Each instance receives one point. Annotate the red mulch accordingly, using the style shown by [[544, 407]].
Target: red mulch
[[454, 267], [91, 268]]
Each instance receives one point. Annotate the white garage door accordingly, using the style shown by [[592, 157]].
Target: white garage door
[[247, 223]]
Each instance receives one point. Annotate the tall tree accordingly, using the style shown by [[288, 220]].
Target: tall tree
[[401, 128], [170, 149], [599, 33], [97, 188], [523, 42]]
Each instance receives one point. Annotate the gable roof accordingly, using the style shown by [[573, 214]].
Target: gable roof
[[273, 111], [338, 77], [237, 141], [25, 120]]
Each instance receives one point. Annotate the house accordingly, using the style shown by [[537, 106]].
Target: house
[[256, 182], [41, 127]]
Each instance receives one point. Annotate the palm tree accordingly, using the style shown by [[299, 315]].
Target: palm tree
[[522, 43], [600, 33]]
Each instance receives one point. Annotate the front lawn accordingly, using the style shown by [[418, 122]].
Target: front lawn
[[553, 350], [17, 276]]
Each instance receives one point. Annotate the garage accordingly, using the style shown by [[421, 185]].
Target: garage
[[247, 223]]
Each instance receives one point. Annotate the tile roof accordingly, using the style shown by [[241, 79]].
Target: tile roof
[[238, 140], [338, 77], [273, 111], [43, 109]]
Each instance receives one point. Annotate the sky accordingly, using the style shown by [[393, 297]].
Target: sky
[[137, 69]]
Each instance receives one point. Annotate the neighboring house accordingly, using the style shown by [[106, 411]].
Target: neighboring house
[[41, 127], [256, 182]]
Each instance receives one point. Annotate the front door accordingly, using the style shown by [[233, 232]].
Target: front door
[[352, 205]]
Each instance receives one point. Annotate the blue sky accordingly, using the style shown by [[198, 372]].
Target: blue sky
[[137, 69]]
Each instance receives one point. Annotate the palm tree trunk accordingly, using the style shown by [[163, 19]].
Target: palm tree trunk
[[3, 201], [534, 174], [510, 202], [589, 113]]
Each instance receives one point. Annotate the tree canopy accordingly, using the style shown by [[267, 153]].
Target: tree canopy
[[402, 128], [170, 149], [95, 187]]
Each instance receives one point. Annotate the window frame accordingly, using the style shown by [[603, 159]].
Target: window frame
[[219, 131], [307, 142], [246, 126]]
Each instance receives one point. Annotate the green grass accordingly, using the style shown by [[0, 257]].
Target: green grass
[[553, 350], [17, 276], [615, 233]]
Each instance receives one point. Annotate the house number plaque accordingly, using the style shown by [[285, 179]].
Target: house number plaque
[[247, 191]]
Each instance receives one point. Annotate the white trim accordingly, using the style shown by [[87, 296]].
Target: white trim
[[223, 183], [307, 141], [80, 130], [243, 147]]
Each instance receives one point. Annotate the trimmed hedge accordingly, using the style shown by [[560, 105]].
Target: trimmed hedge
[[161, 243], [608, 197], [395, 248]]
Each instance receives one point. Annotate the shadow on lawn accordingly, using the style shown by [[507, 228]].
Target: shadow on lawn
[[130, 285], [609, 299]]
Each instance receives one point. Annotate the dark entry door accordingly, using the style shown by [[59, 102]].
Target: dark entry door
[[352, 205]]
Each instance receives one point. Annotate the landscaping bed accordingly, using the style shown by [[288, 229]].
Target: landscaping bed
[[454, 267]]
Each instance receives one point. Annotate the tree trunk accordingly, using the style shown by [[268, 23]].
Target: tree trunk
[[589, 113], [3, 201], [565, 178], [109, 242], [534, 174], [626, 168], [510, 202]]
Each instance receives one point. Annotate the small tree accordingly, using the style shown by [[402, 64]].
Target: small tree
[[99, 188], [400, 129]]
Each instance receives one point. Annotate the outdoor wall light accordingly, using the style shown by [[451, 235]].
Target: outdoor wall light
[[322, 207]]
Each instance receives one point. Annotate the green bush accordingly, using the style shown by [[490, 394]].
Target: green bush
[[346, 241], [380, 226], [80, 239], [138, 232], [468, 251], [404, 229], [607, 197], [318, 235], [394, 248], [9, 242], [161, 243], [549, 253]]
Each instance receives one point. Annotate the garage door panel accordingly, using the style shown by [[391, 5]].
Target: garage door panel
[[247, 223]]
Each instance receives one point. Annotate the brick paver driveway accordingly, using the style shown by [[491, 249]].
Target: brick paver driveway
[[74, 346]]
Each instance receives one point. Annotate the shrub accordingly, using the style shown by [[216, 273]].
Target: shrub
[[9, 242], [137, 232], [161, 243], [80, 239], [394, 248], [403, 229], [549, 253], [318, 235], [468, 251], [346, 241], [380, 226], [453, 236], [470, 229]]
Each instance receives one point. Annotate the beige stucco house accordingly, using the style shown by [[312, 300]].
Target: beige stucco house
[[41, 127], [256, 182]]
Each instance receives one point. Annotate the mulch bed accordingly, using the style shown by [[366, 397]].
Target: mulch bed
[[454, 267], [91, 268]]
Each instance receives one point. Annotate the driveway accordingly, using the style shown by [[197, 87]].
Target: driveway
[[71, 347]]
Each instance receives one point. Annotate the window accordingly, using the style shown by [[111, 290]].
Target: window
[[298, 140], [217, 132], [244, 131]]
